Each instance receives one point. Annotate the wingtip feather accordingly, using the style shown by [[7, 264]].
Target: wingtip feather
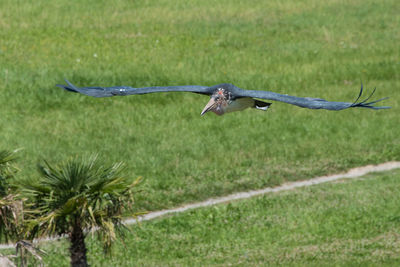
[[365, 104], [68, 88]]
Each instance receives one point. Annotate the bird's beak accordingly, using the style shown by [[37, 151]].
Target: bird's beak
[[210, 105]]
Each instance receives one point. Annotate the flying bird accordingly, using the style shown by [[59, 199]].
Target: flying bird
[[226, 97]]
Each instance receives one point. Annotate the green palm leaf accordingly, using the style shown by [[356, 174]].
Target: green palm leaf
[[81, 196]]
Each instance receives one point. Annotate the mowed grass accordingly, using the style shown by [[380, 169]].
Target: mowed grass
[[308, 48], [344, 223]]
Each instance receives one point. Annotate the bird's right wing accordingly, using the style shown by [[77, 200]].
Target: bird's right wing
[[311, 103], [126, 90]]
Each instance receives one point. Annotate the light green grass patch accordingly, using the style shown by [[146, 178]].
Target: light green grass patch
[[341, 223]]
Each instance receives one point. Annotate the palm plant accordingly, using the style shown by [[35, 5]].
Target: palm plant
[[10, 205], [81, 196], [13, 212]]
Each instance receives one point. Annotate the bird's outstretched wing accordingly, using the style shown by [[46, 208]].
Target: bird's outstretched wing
[[126, 90], [305, 102], [312, 103]]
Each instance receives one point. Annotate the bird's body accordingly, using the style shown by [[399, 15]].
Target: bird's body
[[240, 104], [222, 101], [226, 98]]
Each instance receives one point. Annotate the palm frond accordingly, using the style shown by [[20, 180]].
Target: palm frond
[[7, 169], [85, 190]]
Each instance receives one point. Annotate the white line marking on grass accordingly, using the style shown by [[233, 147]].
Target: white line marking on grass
[[352, 173]]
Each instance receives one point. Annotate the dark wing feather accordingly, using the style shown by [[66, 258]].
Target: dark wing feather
[[308, 102], [126, 90]]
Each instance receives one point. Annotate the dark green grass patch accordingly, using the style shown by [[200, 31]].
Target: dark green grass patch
[[307, 48]]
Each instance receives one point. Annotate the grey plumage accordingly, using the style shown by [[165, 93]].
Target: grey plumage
[[230, 94]]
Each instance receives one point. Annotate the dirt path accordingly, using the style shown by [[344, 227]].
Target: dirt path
[[352, 173]]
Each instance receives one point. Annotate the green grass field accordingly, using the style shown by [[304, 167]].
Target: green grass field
[[345, 223], [310, 48]]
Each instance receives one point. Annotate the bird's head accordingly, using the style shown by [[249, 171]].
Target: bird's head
[[219, 100]]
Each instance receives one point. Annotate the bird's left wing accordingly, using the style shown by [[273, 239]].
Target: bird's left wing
[[311, 103], [126, 90]]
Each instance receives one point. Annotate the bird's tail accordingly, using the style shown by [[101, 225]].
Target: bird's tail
[[261, 105]]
